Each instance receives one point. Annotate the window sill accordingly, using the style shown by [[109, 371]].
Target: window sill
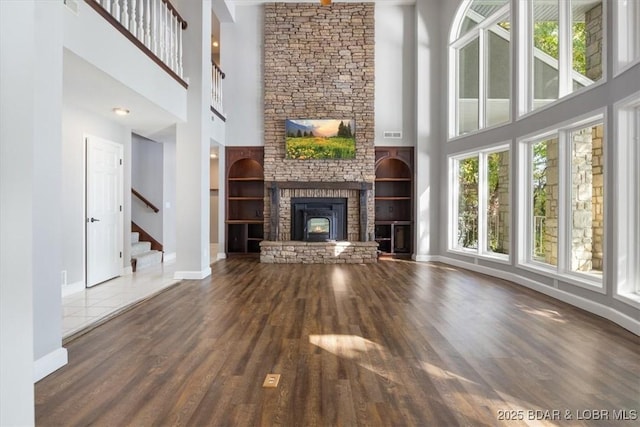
[[630, 298], [570, 279], [485, 256]]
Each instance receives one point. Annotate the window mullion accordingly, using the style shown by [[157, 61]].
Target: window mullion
[[528, 211], [635, 186], [454, 96], [482, 202], [565, 49], [454, 184], [482, 79], [564, 203]]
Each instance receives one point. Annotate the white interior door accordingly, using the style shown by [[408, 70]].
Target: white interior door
[[104, 217]]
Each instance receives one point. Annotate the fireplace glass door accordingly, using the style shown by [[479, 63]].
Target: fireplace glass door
[[318, 228]]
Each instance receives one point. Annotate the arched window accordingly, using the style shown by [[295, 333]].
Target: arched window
[[480, 61]]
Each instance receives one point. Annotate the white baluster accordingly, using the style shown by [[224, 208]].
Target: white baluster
[[165, 33], [174, 44], [106, 4], [219, 91], [140, 24], [124, 17], [216, 88], [133, 22], [154, 28], [115, 9], [147, 26], [161, 31], [180, 70]]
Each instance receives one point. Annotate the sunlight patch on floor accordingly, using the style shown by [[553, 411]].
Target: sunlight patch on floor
[[357, 349]]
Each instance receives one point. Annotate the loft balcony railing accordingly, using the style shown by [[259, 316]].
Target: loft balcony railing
[[216, 91], [155, 26]]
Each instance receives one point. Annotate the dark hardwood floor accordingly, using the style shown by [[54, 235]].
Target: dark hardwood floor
[[397, 343]]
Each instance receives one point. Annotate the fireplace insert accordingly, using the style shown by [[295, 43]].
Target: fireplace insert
[[318, 219]]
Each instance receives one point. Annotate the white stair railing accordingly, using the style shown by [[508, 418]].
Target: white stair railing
[[216, 88], [156, 24]]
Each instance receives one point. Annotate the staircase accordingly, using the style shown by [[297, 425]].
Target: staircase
[[142, 255]]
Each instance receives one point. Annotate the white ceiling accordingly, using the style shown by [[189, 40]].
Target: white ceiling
[[88, 88]]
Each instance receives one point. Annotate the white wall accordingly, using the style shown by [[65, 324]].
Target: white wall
[[193, 147], [17, 189], [241, 58], [92, 38], [47, 235], [147, 172], [76, 124], [395, 101], [428, 97]]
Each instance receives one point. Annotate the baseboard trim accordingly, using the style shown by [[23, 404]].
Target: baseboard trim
[[221, 255], [425, 258], [49, 364], [72, 288], [621, 319], [170, 256], [192, 275], [127, 271]]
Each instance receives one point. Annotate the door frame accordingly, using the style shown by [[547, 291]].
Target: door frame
[[85, 141]]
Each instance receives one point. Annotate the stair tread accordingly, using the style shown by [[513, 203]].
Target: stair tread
[[146, 253], [140, 247], [147, 259]]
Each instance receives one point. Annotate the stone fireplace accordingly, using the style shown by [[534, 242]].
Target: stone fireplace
[[307, 77]]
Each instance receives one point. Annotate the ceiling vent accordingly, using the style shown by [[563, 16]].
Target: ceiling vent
[[394, 134]]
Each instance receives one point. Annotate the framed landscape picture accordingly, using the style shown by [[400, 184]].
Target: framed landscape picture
[[320, 139]]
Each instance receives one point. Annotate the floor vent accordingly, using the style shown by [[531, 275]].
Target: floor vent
[[393, 134]]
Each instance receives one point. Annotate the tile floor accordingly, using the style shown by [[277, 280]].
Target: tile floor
[[83, 309]]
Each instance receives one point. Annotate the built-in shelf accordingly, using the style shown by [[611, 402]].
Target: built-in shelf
[[394, 200], [244, 199]]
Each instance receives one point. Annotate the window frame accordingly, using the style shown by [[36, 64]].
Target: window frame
[[452, 241], [626, 18], [527, 56], [525, 260], [458, 42], [627, 209]]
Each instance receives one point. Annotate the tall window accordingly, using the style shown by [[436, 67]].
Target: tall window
[[627, 45], [544, 204], [480, 185], [627, 202], [481, 58], [566, 47], [565, 206]]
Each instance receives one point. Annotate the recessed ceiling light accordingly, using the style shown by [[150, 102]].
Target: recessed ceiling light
[[121, 111], [215, 43]]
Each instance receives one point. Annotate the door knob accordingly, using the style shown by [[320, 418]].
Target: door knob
[[94, 220]]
